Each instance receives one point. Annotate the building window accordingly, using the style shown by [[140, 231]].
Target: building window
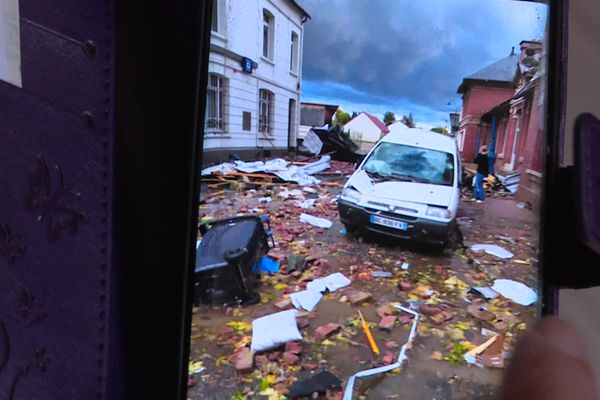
[[218, 17], [215, 104], [294, 53], [215, 16], [246, 121], [265, 118], [268, 34]]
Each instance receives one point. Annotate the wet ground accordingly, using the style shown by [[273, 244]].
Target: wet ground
[[435, 367]]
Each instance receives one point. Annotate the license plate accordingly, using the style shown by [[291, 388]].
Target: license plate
[[390, 223]]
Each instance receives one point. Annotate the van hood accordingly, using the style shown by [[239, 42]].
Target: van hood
[[413, 192]]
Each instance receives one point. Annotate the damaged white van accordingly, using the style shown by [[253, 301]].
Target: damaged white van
[[408, 187]]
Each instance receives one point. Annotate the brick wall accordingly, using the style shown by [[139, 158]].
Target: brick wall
[[477, 101]]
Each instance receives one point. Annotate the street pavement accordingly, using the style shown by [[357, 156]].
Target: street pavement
[[436, 284]]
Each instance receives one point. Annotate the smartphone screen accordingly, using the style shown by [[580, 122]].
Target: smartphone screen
[[370, 196]]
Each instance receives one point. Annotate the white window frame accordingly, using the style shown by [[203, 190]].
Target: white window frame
[[294, 52], [266, 102], [216, 123], [218, 19], [269, 25]]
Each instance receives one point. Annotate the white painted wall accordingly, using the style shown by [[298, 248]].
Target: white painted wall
[[242, 34], [362, 124]]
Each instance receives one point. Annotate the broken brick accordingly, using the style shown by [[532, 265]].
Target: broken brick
[[405, 319], [404, 286], [290, 358], [442, 317], [429, 309], [283, 303], [243, 360], [302, 322], [385, 310], [261, 361], [358, 298], [388, 358], [293, 347], [324, 331], [311, 366], [390, 344], [387, 322]]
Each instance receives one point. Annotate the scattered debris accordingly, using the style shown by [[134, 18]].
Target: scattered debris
[[293, 347], [269, 265], [243, 360], [401, 357], [330, 283], [264, 337], [493, 250], [481, 313], [325, 331], [381, 274], [489, 354], [318, 383], [296, 262], [306, 299], [316, 221], [516, 291], [357, 298], [387, 322], [196, 367], [486, 292]]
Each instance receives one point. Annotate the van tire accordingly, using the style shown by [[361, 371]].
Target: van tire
[[455, 238]]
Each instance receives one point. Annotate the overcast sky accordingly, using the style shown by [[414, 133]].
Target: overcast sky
[[407, 55]]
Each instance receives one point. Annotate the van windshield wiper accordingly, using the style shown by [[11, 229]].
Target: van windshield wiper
[[409, 178], [377, 175]]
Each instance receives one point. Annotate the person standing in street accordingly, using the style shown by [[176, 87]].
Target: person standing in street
[[483, 170]]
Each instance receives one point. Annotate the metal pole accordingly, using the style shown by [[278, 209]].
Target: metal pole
[[492, 154]]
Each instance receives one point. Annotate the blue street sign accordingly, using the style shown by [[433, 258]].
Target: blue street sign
[[246, 65]]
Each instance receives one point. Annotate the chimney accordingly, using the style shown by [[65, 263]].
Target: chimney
[[512, 52]]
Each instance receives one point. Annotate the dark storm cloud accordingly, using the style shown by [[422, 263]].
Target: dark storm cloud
[[414, 51]]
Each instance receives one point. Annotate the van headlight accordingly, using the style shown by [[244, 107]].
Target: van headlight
[[351, 195], [438, 212]]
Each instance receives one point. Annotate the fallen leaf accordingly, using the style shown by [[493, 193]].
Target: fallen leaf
[[239, 326]]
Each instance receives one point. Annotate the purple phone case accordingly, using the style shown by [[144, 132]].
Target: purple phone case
[[588, 168], [55, 203]]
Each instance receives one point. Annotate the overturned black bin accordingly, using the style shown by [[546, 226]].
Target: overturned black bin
[[226, 261]]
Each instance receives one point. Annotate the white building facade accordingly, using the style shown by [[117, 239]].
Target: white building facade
[[248, 112]]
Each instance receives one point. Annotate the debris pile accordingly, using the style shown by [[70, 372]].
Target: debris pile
[[340, 307]]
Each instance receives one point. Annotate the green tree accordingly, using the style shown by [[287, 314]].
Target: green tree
[[408, 120], [354, 114], [441, 130], [341, 117], [389, 118]]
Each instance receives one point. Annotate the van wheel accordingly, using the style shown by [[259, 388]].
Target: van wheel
[[455, 238]]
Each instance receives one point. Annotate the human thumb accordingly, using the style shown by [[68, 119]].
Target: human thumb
[[550, 363]]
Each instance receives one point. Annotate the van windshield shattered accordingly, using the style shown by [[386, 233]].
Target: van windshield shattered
[[393, 161]]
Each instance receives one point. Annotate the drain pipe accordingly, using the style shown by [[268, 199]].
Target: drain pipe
[[492, 154]]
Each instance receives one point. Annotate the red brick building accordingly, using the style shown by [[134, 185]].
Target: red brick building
[[482, 91], [512, 128]]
